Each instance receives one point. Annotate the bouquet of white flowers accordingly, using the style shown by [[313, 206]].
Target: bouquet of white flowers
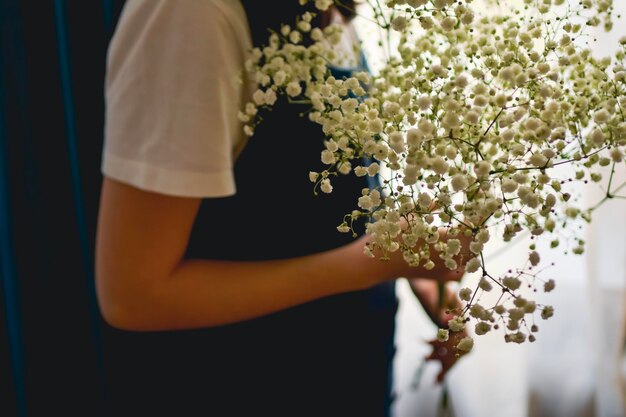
[[465, 123]]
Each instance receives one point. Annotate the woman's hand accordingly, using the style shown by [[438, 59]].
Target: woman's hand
[[446, 353], [427, 293], [398, 267]]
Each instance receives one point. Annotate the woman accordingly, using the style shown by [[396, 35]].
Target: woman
[[227, 289]]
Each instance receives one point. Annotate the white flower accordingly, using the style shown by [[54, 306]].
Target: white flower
[[482, 169], [424, 200], [476, 247], [243, 117], [450, 120], [459, 182], [325, 186], [328, 157], [597, 136], [295, 37], [538, 160], [511, 283], [259, 97], [482, 236], [376, 125], [348, 106], [473, 265], [485, 285], [453, 245], [443, 335], [360, 171], [481, 101], [456, 324], [429, 265], [516, 314], [399, 23], [547, 312], [365, 202], [450, 263], [373, 169], [467, 119], [534, 258], [411, 171], [601, 116], [304, 25], [439, 165], [345, 168], [396, 142], [482, 328], [517, 337], [465, 294], [294, 89], [424, 102], [448, 23], [323, 4], [414, 137], [472, 117], [466, 344], [343, 228], [317, 34], [251, 109], [451, 152], [530, 307], [331, 145], [426, 127], [270, 97], [279, 77], [467, 18], [616, 155]]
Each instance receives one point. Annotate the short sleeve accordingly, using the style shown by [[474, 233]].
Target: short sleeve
[[173, 90]]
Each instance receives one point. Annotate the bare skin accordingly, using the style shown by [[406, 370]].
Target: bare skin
[[143, 282], [427, 292]]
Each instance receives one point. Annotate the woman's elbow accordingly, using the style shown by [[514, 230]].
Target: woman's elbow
[[119, 308]]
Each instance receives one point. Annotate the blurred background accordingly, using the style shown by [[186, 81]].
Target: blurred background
[[52, 63]]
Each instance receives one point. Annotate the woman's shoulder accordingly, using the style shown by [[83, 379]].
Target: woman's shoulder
[[183, 16], [154, 30]]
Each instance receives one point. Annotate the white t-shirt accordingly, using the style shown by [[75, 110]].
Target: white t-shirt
[[173, 92]]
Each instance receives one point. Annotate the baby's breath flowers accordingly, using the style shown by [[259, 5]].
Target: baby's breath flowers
[[465, 124]]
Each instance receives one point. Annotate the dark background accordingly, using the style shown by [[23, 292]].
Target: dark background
[[52, 65]]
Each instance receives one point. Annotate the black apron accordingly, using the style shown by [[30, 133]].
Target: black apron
[[330, 357]]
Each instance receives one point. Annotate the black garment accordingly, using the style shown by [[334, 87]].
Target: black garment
[[330, 357]]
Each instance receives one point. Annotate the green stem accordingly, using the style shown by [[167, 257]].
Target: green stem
[[444, 410], [441, 303]]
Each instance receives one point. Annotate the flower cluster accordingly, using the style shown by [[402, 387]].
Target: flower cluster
[[465, 123]]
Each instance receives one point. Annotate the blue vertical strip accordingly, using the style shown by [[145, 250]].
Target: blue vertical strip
[[68, 105], [107, 8], [9, 276]]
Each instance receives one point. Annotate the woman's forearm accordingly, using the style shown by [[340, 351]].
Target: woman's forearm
[[144, 282], [202, 293]]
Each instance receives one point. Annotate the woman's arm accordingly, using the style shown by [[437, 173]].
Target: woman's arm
[[144, 283], [427, 293]]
